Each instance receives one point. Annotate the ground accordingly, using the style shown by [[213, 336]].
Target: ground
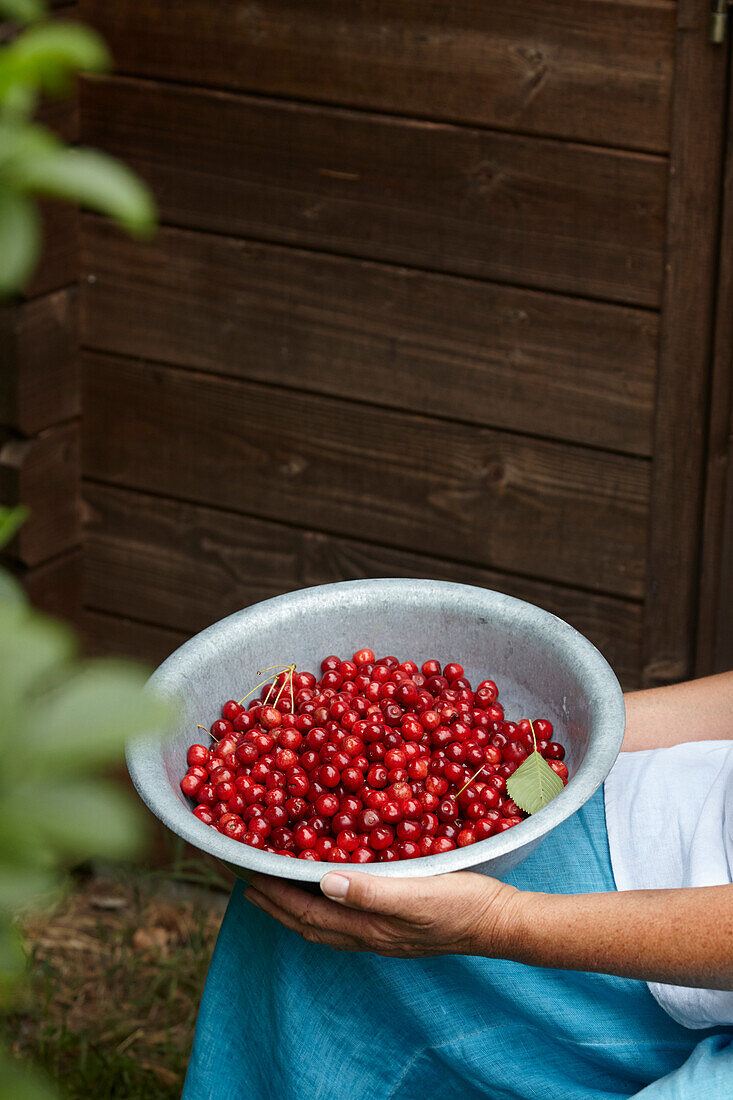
[[117, 969]]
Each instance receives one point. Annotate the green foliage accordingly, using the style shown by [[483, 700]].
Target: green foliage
[[534, 783], [44, 59], [61, 720]]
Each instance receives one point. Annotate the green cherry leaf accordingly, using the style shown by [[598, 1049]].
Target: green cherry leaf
[[533, 784]]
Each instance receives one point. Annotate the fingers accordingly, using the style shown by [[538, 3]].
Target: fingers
[[308, 932], [409, 899], [388, 896], [309, 911]]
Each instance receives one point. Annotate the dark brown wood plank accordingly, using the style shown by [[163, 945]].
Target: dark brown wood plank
[[685, 348], [520, 210], [579, 69], [506, 502], [43, 473], [187, 566], [543, 364], [58, 265], [714, 652], [55, 586], [115, 636], [39, 377]]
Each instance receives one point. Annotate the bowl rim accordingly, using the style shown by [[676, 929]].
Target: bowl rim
[[144, 753]]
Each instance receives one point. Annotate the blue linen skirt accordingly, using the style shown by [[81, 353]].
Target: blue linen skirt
[[284, 1019]]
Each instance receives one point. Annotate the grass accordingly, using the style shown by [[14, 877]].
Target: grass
[[117, 969]]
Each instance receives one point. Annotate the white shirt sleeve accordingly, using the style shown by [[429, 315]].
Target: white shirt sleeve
[[669, 814]]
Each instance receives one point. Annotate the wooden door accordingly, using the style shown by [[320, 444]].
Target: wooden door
[[433, 296]]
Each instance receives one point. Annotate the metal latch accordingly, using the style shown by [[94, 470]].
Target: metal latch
[[719, 21]]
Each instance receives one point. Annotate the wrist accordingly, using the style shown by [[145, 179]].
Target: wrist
[[507, 917]]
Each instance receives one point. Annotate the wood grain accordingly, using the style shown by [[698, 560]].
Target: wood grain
[[714, 650], [502, 501], [579, 69], [685, 349], [187, 566], [39, 377], [521, 210], [55, 586], [59, 263], [116, 636], [42, 472], [544, 364]]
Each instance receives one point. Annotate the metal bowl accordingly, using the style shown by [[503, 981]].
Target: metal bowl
[[542, 666]]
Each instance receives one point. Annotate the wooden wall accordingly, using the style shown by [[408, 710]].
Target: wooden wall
[[433, 296], [40, 406]]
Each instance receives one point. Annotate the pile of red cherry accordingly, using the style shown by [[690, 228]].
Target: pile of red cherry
[[377, 760]]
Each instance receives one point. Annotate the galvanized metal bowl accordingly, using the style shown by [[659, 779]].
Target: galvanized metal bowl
[[543, 667]]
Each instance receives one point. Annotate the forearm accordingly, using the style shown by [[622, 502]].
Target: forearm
[[680, 937], [699, 710]]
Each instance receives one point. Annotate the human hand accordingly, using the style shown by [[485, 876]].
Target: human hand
[[459, 913]]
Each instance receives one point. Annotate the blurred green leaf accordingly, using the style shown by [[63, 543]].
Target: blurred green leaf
[[92, 179], [31, 647], [19, 886], [47, 56], [20, 240], [85, 722], [22, 11], [82, 819], [11, 520], [22, 142], [23, 847], [10, 590], [18, 1082]]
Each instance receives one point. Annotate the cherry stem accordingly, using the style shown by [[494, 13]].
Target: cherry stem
[[254, 689], [200, 727], [470, 781], [291, 670]]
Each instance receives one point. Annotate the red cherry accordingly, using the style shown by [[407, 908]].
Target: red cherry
[[465, 837], [191, 784], [197, 754], [328, 776], [409, 830], [391, 812], [514, 752], [381, 837], [363, 657], [363, 855], [447, 810], [305, 837], [327, 805], [324, 846], [389, 855], [408, 850], [347, 840], [253, 840], [377, 776], [368, 820], [221, 728]]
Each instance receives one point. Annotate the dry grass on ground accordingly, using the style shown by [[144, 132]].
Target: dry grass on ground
[[117, 973]]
